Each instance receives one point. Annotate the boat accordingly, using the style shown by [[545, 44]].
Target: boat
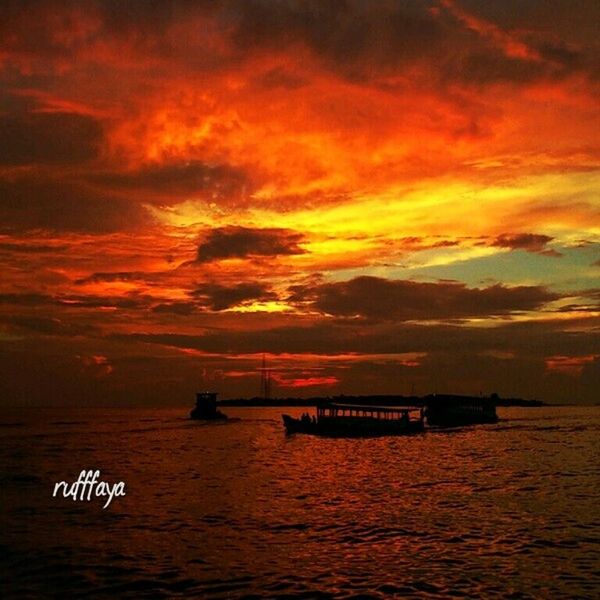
[[444, 410], [352, 420], [206, 408]]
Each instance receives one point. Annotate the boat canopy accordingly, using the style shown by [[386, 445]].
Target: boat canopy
[[369, 408], [386, 413]]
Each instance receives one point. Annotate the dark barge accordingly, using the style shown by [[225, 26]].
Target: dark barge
[[443, 410], [352, 420]]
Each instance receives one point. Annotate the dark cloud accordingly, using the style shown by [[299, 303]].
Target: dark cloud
[[176, 308], [537, 339], [25, 299], [376, 298], [52, 326], [242, 242], [50, 195], [26, 248], [531, 242], [218, 182], [219, 297], [278, 78], [482, 59], [213, 296], [56, 30], [560, 54], [24, 29], [590, 376], [486, 66], [349, 37], [572, 21], [509, 359], [152, 18], [123, 302], [591, 308], [359, 40], [39, 201], [112, 277], [593, 293], [48, 138], [362, 43], [416, 243], [74, 301]]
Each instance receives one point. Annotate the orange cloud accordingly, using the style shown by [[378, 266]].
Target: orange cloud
[[570, 365], [304, 382]]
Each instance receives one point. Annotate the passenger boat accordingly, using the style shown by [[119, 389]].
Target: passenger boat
[[351, 420], [445, 410]]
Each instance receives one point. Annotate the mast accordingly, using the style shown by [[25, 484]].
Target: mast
[[265, 380]]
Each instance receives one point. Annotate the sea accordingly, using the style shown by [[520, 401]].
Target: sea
[[238, 509]]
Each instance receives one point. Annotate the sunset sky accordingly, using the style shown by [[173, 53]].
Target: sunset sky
[[381, 197]]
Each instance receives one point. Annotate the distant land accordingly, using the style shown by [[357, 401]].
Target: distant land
[[374, 400]]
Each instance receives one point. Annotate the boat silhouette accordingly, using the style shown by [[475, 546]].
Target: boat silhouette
[[444, 410], [352, 420], [206, 408]]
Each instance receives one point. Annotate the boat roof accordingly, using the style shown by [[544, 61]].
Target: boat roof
[[448, 400], [368, 407]]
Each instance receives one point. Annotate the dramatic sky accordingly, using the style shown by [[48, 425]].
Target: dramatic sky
[[381, 197]]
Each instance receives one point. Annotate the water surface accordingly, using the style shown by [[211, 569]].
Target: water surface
[[239, 510]]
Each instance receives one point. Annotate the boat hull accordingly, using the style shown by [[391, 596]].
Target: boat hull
[[203, 415], [458, 420]]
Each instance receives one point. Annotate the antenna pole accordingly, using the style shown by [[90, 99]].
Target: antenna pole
[[265, 380]]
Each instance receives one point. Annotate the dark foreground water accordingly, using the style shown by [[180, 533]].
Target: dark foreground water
[[240, 510]]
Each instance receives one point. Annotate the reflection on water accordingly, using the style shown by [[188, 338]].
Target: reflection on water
[[232, 510]]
